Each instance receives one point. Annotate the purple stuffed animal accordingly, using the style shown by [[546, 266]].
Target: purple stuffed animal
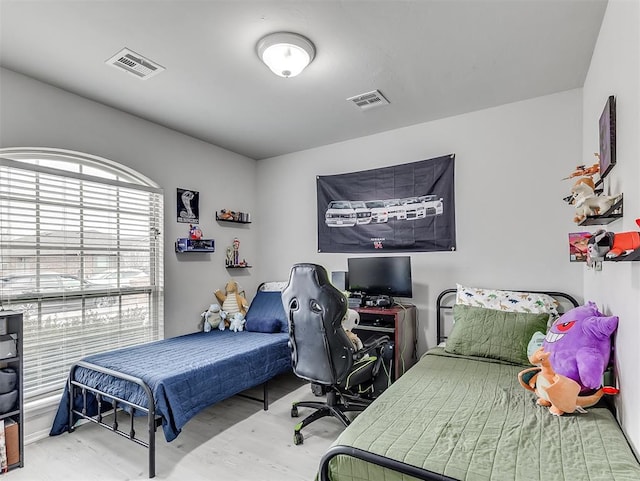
[[580, 344]]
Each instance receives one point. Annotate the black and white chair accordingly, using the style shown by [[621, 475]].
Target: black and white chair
[[322, 353]]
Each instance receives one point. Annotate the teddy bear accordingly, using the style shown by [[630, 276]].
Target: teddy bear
[[350, 320], [231, 300], [211, 317], [237, 322]]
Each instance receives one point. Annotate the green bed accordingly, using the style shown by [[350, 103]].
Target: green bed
[[468, 418]]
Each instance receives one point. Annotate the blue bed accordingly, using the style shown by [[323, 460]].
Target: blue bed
[[171, 380]]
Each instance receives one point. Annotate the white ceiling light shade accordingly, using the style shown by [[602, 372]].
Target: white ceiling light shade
[[285, 53]]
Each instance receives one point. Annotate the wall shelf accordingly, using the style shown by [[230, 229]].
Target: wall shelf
[[614, 213], [235, 217], [632, 256], [238, 267], [195, 245]]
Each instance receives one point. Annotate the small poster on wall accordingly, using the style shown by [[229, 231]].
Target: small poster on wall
[[188, 206], [578, 246], [402, 208]]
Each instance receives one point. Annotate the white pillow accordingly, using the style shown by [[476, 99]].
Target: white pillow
[[511, 301]]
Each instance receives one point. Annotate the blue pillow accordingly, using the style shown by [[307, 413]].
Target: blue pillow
[[263, 325], [266, 307]]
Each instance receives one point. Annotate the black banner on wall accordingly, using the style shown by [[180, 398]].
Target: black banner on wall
[[403, 208]]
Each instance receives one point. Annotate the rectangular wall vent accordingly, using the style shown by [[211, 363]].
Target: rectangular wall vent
[[369, 100], [135, 64]]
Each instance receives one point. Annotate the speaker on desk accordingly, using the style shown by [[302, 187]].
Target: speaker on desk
[[339, 279]]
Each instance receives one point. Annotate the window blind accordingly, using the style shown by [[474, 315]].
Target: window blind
[[80, 256]]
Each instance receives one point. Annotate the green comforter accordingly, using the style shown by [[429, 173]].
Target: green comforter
[[471, 420]]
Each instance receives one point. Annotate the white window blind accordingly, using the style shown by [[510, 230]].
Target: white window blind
[[81, 256]]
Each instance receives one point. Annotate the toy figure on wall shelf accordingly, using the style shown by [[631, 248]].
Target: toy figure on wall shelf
[[195, 233], [233, 255], [609, 245], [586, 201], [232, 216], [584, 171]]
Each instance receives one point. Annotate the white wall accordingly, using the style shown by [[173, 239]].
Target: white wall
[[511, 221], [35, 114], [615, 70]]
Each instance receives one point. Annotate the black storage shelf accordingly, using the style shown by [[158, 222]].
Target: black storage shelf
[[614, 213], [233, 221], [238, 267], [185, 245], [632, 256], [11, 322], [238, 217]]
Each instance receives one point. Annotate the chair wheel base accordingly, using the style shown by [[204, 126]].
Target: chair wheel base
[[298, 439], [294, 412]]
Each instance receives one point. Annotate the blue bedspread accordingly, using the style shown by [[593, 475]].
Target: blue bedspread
[[187, 373]]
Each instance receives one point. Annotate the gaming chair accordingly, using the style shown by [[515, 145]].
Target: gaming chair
[[321, 352]]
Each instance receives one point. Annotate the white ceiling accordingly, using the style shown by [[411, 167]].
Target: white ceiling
[[431, 59]]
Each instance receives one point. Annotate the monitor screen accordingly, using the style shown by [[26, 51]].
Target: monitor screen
[[380, 275]]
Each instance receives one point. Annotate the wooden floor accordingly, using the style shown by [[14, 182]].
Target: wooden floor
[[232, 440]]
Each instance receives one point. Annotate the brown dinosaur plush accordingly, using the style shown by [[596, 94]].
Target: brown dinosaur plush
[[231, 300]]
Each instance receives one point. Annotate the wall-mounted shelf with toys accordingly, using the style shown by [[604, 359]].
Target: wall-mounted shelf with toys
[[614, 246], [195, 242], [632, 256], [184, 244], [225, 215], [232, 260], [614, 213]]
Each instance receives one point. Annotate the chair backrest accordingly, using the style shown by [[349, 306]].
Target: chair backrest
[[320, 349]]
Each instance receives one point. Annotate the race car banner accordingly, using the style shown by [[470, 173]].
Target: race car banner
[[403, 208]]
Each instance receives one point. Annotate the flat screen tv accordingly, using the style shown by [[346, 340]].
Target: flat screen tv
[[376, 276]]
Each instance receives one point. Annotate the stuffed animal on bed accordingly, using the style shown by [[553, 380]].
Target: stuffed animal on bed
[[211, 317], [579, 343], [231, 300], [559, 393], [237, 322]]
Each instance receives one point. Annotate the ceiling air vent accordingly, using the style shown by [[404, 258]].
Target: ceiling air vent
[[369, 100], [135, 64]]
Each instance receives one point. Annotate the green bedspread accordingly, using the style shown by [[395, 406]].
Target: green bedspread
[[471, 420]]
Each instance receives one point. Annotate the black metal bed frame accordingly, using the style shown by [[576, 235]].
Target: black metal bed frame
[[117, 404], [394, 464]]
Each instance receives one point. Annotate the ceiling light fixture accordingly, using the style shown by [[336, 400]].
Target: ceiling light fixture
[[285, 53]]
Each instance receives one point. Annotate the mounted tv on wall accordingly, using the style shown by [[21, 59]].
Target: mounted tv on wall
[[374, 276], [607, 126]]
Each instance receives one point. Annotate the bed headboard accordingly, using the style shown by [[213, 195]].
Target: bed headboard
[[447, 299]]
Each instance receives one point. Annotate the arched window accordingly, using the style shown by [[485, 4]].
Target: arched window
[[80, 255]]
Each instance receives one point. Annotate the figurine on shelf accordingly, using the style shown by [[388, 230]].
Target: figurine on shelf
[[225, 214], [229, 259], [236, 252], [586, 202], [584, 171], [194, 232], [603, 244]]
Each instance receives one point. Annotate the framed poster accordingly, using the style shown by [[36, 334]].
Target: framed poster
[[188, 206], [403, 208], [607, 127], [578, 246]]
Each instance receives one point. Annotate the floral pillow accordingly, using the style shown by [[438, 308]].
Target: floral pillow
[[510, 301]]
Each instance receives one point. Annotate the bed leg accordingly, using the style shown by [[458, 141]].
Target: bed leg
[[151, 425], [70, 393], [265, 396]]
